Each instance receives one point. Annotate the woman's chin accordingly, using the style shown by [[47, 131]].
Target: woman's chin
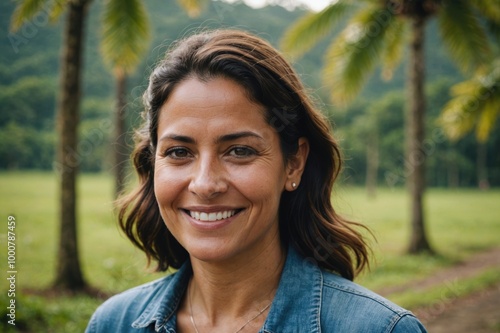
[[211, 251]]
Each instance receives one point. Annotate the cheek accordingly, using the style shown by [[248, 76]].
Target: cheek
[[167, 191], [259, 184], [167, 187]]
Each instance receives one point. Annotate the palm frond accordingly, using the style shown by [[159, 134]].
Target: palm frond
[[27, 9], [394, 48], [192, 7], [475, 103], [125, 34], [487, 119], [463, 35], [354, 54], [459, 115], [488, 9], [57, 10], [311, 28], [493, 28], [490, 12]]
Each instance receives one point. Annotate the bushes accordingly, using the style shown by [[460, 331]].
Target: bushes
[[48, 313]]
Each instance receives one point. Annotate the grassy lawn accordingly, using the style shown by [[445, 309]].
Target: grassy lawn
[[460, 223]]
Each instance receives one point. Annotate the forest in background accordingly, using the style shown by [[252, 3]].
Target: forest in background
[[29, 80]]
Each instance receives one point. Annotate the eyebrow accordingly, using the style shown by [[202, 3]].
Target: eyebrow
[[237, 135], [177, 137], [222, 138]]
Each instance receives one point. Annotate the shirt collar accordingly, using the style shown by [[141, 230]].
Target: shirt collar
[[297, 302], [163, 307]]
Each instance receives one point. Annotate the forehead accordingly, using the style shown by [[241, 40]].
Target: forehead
[[206, 106]]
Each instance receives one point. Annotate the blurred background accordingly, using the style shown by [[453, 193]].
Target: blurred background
[[411, 88]]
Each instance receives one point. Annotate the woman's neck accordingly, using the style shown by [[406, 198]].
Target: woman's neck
[[235, 288]]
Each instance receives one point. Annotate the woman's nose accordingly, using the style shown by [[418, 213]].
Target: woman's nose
[[208, 179]]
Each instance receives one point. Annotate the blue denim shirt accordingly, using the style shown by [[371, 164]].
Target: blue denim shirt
[[308, 300]]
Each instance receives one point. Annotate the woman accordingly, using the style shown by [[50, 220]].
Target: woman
[[236, 169]]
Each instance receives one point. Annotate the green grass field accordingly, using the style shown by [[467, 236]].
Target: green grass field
[[460, 223]]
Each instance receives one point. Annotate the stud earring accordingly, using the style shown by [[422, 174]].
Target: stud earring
[[294, 185]]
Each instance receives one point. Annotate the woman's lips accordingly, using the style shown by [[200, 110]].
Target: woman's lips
[[212, 216], [211, 220]]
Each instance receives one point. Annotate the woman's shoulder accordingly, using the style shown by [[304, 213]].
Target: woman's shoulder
[[121, 311], [368, 310], [133, 297], [334, 284]]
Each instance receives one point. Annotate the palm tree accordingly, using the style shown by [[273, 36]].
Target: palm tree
[[69, 274], [475, 105], [377, 31], [125, 38]]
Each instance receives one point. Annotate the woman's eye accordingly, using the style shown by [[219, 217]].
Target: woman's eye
[[242, 152], [177, 153]]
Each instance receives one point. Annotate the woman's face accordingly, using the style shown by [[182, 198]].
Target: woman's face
[[219, 170]]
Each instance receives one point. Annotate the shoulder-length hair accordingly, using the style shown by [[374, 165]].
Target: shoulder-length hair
[[306, 217]]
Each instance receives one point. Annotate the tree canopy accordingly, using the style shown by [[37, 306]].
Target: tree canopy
[[28, 78]]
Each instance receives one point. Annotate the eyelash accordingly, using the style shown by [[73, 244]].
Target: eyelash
[[248, 152], [170, 152]]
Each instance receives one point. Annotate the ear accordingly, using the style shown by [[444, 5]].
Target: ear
[[296, 164]]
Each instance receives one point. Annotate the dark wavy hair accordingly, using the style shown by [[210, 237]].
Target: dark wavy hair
[[306, 217]]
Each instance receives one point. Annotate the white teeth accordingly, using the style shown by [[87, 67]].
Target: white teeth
[[215, 216]]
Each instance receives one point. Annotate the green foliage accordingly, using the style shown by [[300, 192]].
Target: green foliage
[[28, 9], [29, 101], [393, 52], [28, 82], [29, 313], [448, 164], [51, 313], [354, 54], [192, 7], [125, 33], [25, 148], [475, 104], [375, 33], [463, 34], [312, 28]]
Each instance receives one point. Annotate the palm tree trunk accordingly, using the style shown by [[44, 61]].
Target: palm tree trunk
[[120, 151], [69, 275], [415, 154], [482, 170], [453, 169], [372, 153]]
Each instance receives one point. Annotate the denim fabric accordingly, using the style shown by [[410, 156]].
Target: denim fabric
[[308, 300]]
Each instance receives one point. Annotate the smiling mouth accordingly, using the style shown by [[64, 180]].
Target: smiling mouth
[[212, 216]]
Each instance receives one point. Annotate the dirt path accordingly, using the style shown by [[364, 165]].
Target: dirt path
[[478, 313]]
